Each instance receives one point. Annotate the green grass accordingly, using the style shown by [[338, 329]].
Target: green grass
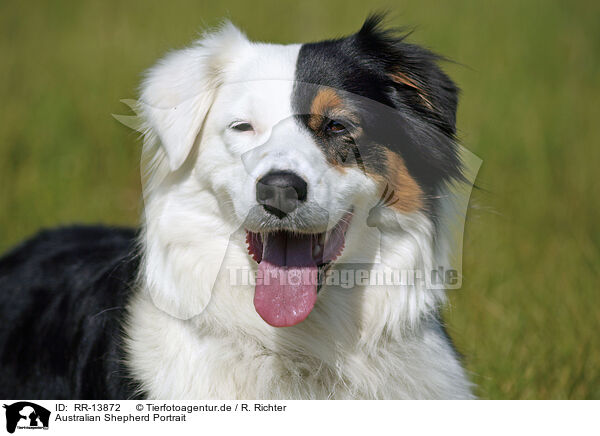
[[528, 315]]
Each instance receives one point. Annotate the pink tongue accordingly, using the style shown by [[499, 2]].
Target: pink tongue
[[286, 284]]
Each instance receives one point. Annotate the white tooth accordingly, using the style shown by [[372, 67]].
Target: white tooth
[[316, 250]]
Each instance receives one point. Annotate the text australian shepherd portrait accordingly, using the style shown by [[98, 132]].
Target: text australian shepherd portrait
[[301, 206]]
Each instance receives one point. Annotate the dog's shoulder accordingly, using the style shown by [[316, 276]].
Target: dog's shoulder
[[63, 296]]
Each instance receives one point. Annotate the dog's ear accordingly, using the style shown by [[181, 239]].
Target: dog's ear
[[423, 93], [414, 73], [178, 91]]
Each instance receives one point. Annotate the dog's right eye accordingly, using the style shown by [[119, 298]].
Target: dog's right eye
[[241, 126]]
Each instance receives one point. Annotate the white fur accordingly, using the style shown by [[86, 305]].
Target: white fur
[[191, 333]]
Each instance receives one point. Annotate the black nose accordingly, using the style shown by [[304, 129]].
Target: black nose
[[280, 192]]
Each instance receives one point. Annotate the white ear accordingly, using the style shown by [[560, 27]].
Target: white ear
[[178, 91]]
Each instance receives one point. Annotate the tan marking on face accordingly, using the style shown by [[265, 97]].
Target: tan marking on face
[[325, 101], [407, 194], [403, 79]]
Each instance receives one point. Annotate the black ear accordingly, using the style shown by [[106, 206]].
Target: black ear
[[412, 72]]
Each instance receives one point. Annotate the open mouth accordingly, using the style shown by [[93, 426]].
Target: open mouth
[[290, 269]]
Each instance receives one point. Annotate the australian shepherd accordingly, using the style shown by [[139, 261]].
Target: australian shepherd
[[296, 203]]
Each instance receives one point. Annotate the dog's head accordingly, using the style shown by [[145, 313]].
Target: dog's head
[[304, 147]]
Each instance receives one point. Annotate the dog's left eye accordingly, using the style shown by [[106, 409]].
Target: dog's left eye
[[242, 126], [335, 127]]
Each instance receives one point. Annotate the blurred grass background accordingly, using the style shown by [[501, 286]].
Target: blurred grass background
[[528, 315]]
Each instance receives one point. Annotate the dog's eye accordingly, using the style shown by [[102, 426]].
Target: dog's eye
[[241, 126], [335, 127]]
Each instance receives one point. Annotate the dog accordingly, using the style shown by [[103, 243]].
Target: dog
[[271, 172]]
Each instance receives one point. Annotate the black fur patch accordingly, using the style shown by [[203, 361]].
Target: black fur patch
[[62, 303], [375, 70]]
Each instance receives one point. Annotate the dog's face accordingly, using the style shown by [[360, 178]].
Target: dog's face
[[304, 145]]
